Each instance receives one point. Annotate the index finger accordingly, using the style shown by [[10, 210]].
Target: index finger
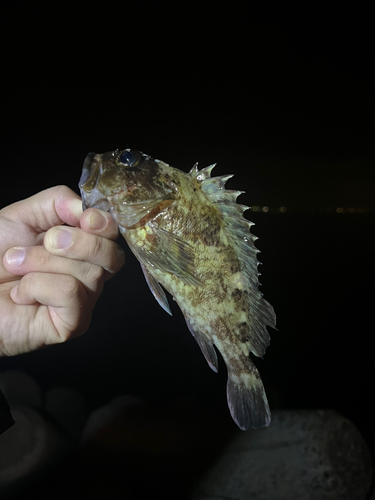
[[48, 208]]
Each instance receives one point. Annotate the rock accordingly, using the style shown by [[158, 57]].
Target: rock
[[28, 450], [42, 436], [20, 389], [305, 454], [6, 419], [68, 409], [105, 415]]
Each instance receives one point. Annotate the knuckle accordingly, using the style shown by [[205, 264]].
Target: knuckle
[[69, 286], [95, 276], [43, 258], [96, 248], [59, 192], [62, 190], [28, 282]]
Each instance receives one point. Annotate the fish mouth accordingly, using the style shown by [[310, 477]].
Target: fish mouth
[[101, 204], [86, 169], [91, 196]]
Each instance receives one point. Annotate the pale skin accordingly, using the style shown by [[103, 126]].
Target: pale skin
[[48, 297]]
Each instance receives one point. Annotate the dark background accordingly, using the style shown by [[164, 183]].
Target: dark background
[[285, 101]]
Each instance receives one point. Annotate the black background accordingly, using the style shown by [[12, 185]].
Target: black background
[[285, 101]]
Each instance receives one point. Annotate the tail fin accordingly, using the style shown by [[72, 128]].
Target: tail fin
[[247, 399]]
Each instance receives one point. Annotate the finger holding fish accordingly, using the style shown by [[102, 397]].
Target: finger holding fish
[[97, 222], [75, 244]]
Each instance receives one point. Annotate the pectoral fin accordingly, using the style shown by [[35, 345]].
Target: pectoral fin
[[166, 252], [177, 256]]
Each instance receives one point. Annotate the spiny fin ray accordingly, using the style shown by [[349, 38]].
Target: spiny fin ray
[[194, 170], [212, 184], [201, 175]]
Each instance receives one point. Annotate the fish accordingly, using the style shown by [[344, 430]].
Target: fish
[[190, 236]]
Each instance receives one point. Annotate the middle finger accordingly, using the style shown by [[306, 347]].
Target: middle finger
[[74, 243]]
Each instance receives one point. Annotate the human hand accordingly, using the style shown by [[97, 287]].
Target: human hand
[[48, 297]]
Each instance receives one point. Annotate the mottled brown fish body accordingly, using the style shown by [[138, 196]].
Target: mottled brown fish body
[[190, 237]]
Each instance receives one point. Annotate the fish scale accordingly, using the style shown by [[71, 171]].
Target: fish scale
[[191, 239]]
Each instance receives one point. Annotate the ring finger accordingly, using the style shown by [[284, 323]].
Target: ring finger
[[24, 260]]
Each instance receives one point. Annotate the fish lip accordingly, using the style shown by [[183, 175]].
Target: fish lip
[[101, 204], [86, 169], [92, 197]]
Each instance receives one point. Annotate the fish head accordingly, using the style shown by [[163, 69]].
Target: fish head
[[126, 182]]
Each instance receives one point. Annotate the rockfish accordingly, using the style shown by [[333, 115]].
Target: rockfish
[[190, 237]]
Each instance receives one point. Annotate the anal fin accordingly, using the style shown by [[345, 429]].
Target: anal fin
[[206, 346], [156, 290]]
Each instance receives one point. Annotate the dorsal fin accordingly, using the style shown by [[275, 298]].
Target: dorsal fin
[[242, 240], [203, 174], [194, 169]]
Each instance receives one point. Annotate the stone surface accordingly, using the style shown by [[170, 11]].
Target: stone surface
[[104, 416], [304, 454], [47, 429], [28, 450], [6, 419], [20, 389], [68, 409]]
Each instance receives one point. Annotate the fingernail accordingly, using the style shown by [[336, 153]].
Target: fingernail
[[76, 208], [15, 256], [61, 239], [97, 221]]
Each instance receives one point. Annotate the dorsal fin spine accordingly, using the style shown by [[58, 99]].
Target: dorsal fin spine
[[194, 170], [201, 175]]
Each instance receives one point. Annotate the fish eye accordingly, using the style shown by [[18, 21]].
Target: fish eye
[[128, 158]]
